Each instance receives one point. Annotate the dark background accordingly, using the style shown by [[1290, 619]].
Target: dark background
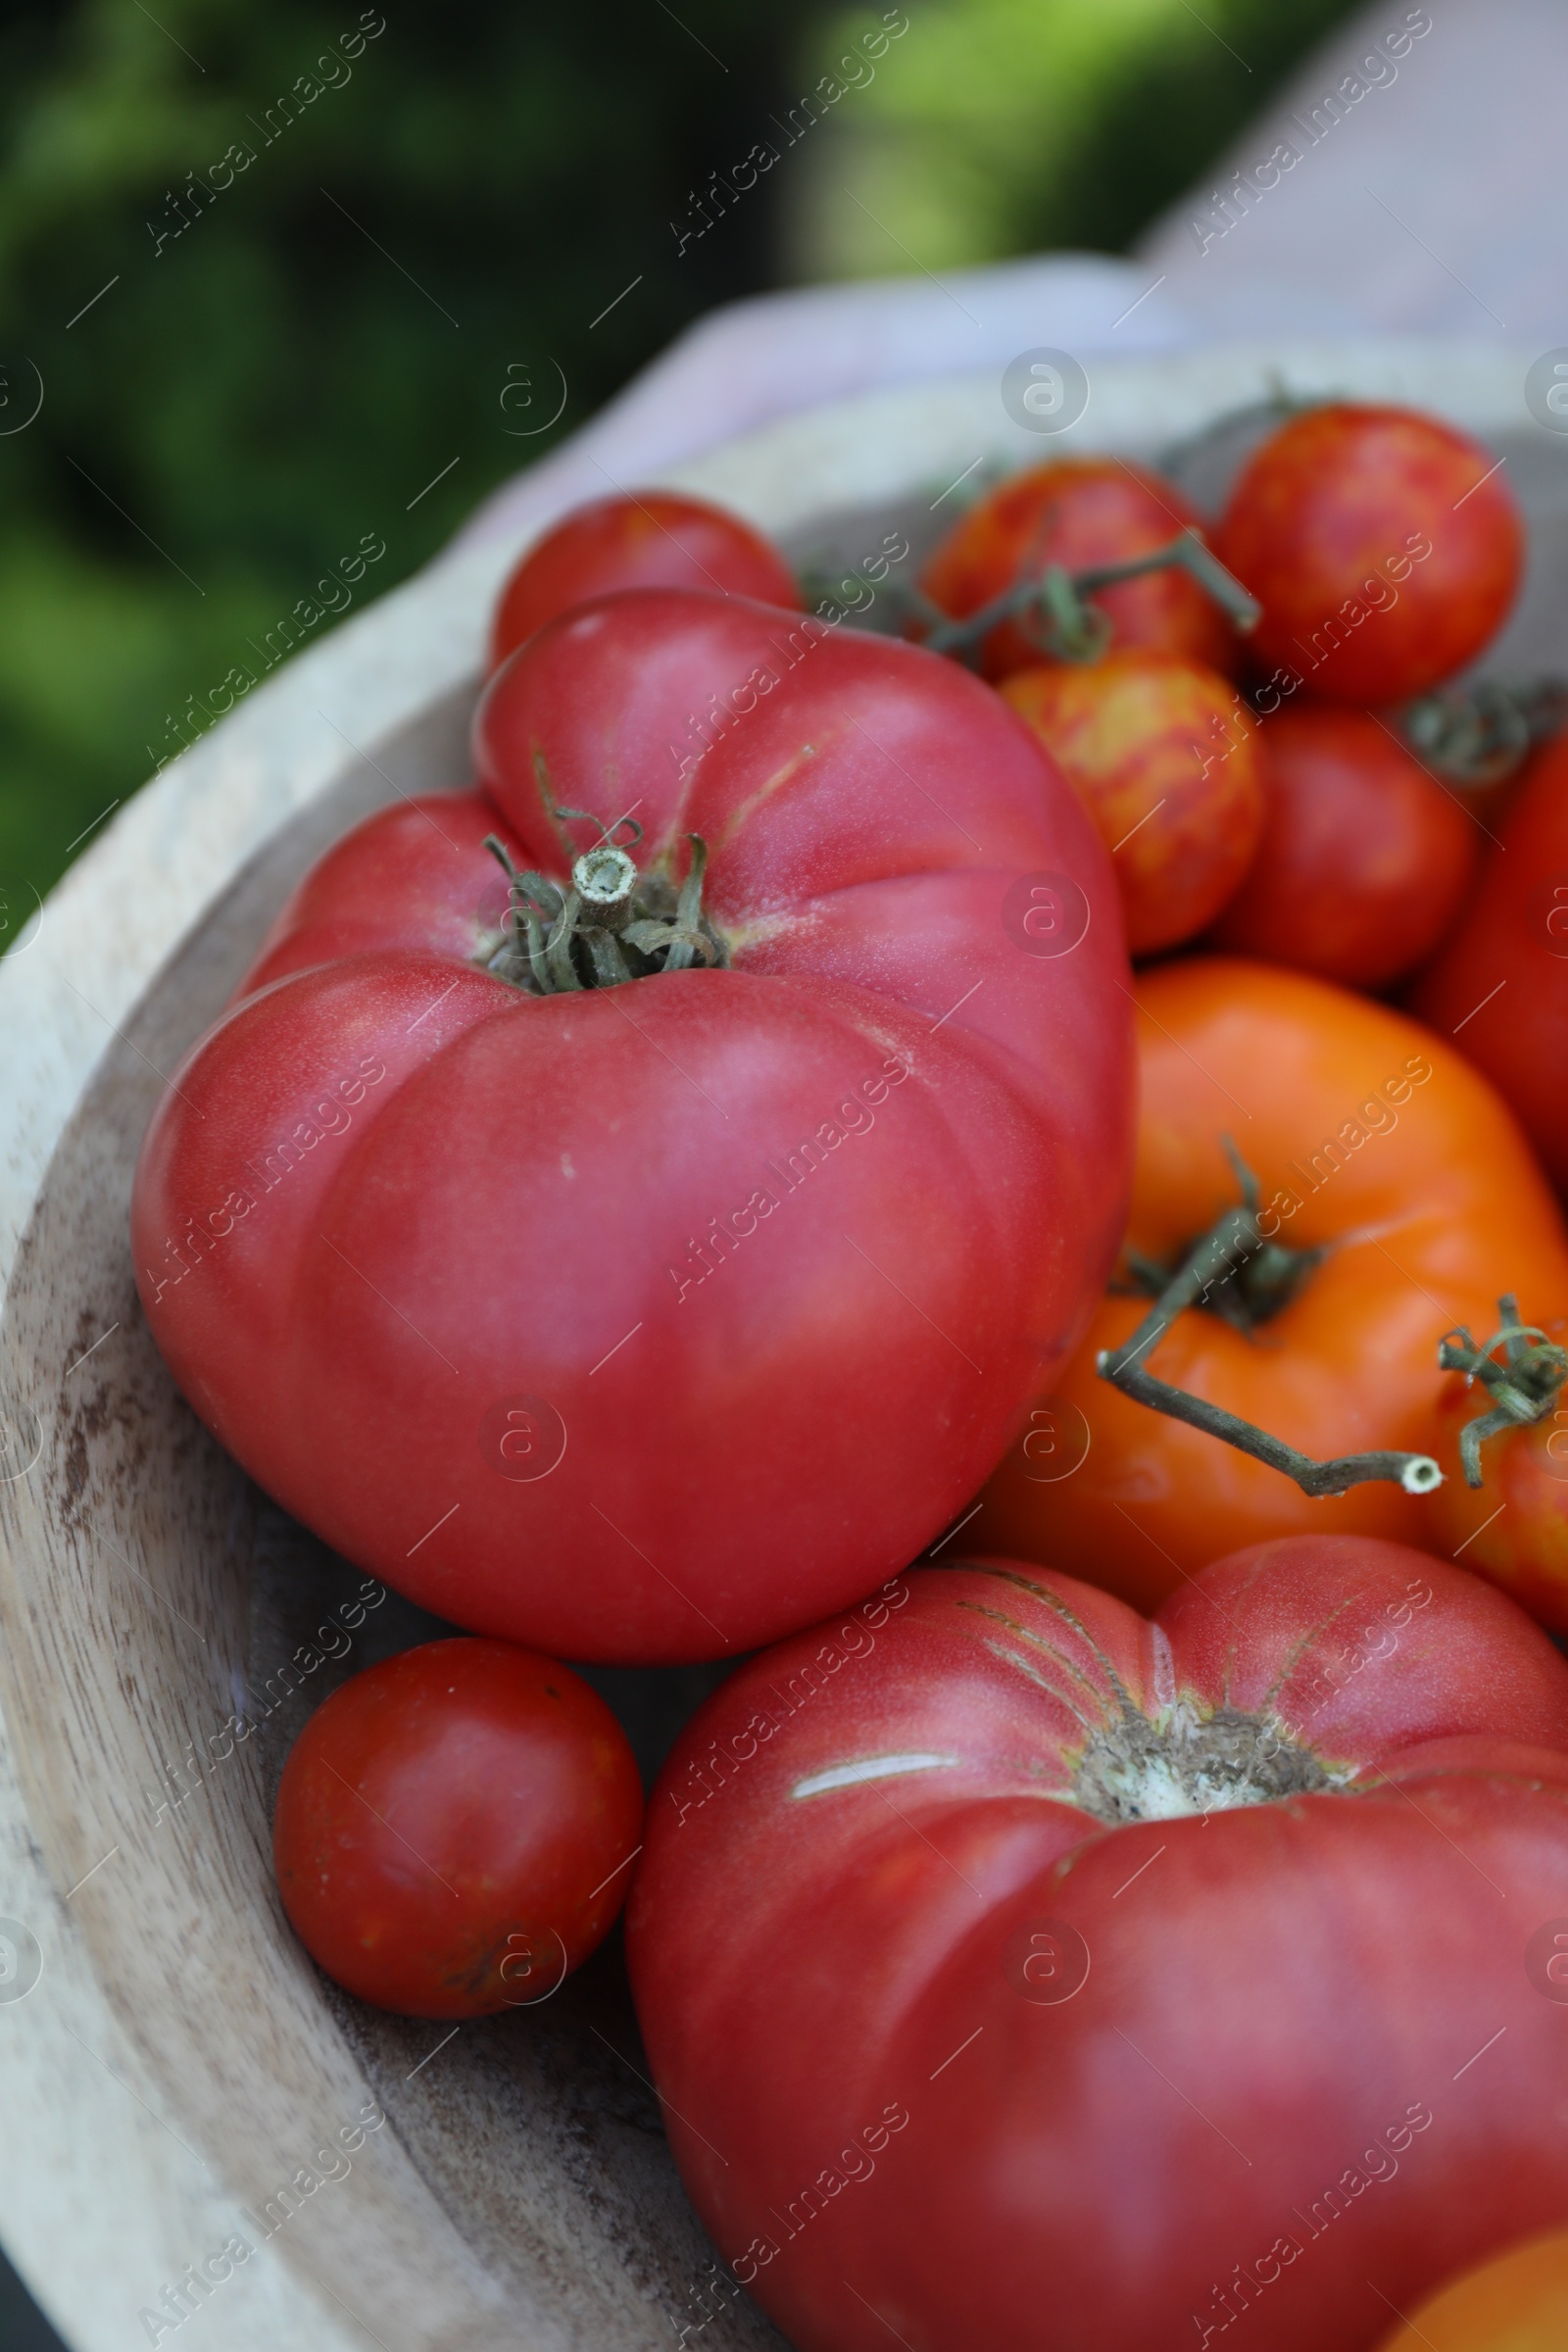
[[241, 405]]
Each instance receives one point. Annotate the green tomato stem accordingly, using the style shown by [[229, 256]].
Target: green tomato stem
[[1523, 1388], [612, 925], [1234, 1243], [1052, 606]]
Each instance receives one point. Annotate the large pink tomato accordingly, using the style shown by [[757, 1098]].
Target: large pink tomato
[[645, 1317], [1017, 1971]]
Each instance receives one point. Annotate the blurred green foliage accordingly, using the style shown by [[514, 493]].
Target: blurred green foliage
[[1012, 125], [235, 406], [333, 328]]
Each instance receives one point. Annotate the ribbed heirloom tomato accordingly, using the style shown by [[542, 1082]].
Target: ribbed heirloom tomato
[[1399, 1198], [647, 1279], [1016, 1972]]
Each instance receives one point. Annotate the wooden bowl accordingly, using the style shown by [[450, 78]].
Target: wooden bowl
[[175, 2073]]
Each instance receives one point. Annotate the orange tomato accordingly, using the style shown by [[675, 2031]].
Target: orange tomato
[[1513, 1528], [1375, 1143], [1163, 753], [1516, 2303], [1079, 513]]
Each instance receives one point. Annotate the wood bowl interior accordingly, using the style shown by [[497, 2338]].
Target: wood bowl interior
[[520, 2189]]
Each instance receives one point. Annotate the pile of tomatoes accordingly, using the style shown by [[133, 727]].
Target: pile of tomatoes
[[649, 1204]]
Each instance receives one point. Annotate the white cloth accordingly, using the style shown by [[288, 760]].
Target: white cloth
[[1424, 200]]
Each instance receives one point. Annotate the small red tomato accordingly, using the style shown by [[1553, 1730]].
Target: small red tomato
[[1365, 860], [1079, 513], [452, 1829], [1500, 987], [1384, 547], [651, 539], [1163, 755]]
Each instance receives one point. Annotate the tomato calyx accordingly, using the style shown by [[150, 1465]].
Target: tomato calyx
[[1250, 1292], [1184, 1759], [1523, 1387], [1187, 1762], [1052, 608], [1232, 1244], [1256, 1284], [1481, 734], [610, 923]]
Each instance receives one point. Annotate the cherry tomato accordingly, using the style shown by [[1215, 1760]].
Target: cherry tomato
[[1512, 1527], [1163, 754], [645, 1320], [454, 1829], [1365, 858], [1499, 988], [1080, 511], [1375, 1145], [654, 539], [1518, 2302], [1384, 557], [1016, 1972]]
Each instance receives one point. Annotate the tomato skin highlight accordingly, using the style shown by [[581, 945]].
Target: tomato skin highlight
[[859, 2040], [1438, 1210], [653, 539], [1079, 513], [1383, 560], [1499, 986], [1163, 755], [453, 1828], [536, 1305], [1365, 860]]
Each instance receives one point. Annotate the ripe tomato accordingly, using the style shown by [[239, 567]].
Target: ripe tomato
[[454, 1827], [1499, 988], [1078, 512], [1383, 555], [646, 1321], [1518, 2302], [998, 1952], [656, 539], [1512, 1527], [1163, 754], [1375, 1146], [1365, 858]]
